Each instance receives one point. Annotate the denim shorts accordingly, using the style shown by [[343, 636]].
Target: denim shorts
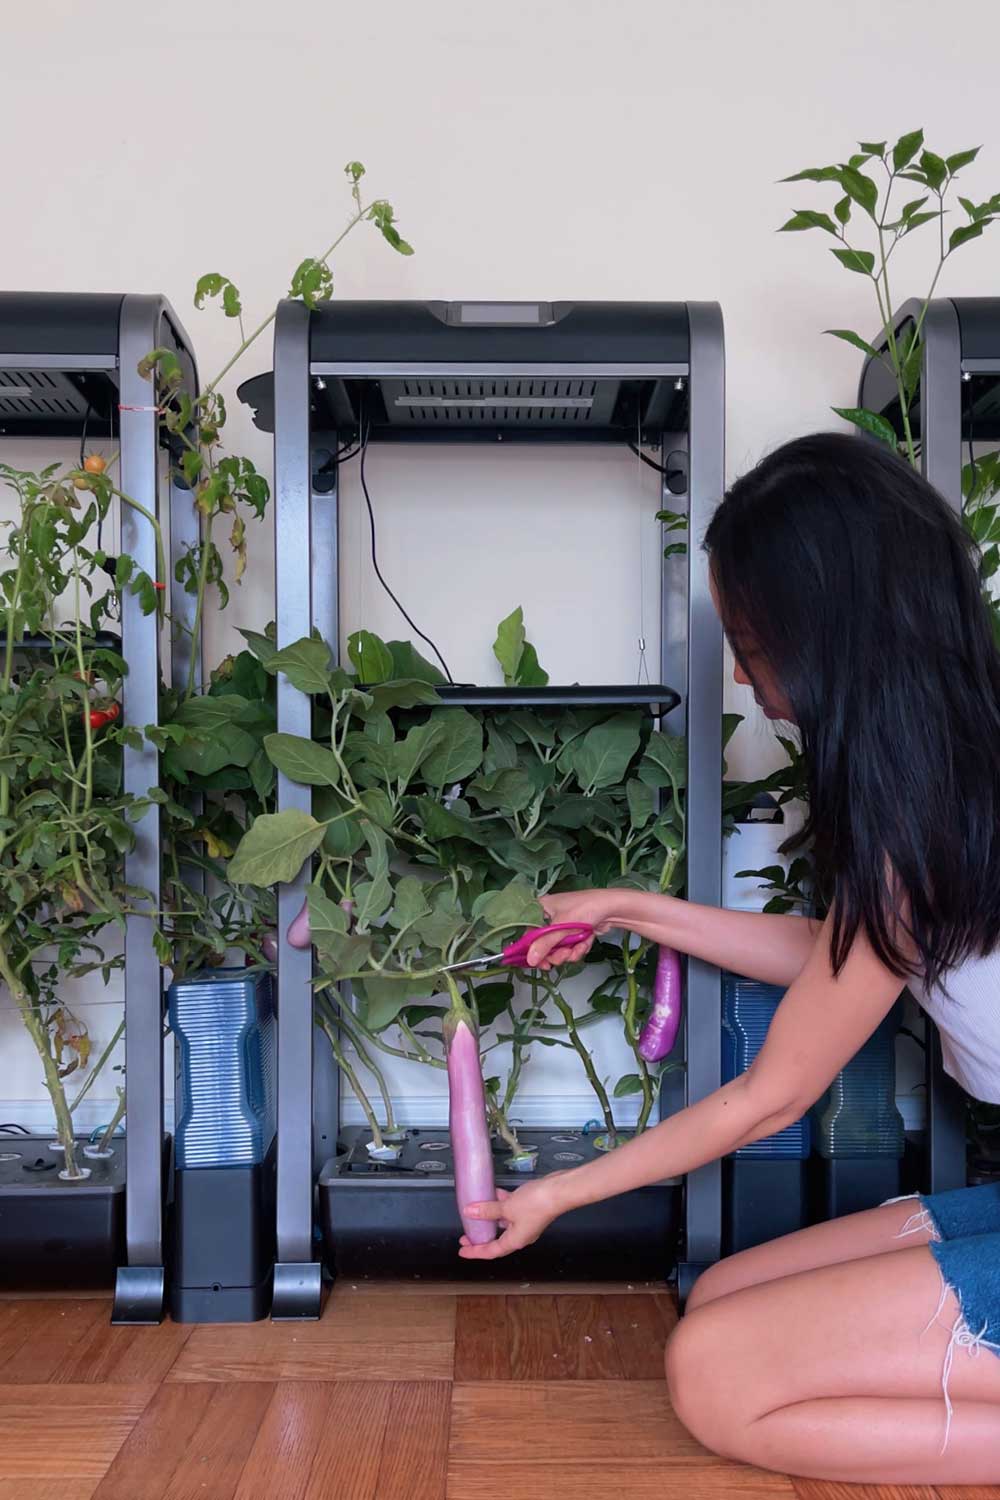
[[964, 1226]]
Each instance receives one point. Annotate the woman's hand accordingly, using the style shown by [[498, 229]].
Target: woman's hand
[[599, 909], [523, 1215]]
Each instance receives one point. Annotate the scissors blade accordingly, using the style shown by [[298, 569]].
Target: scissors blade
[[473, 963]]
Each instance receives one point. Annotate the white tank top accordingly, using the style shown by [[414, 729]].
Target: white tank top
[[966, 1011]]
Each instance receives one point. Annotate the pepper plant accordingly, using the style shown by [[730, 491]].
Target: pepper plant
[[869, 222]]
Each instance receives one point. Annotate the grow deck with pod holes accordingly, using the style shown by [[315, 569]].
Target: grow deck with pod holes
[[400, 1220], [59, 1234]]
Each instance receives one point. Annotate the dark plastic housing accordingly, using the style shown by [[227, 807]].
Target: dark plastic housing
[[402, 1222], [59, 1235]]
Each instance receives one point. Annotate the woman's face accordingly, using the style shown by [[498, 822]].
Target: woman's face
[[747, 659]]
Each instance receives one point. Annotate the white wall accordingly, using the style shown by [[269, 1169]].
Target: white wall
[[566, 150]]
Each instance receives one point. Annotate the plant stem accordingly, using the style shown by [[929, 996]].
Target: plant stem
[[213, 384], [587, 1060], [114, 1122], [53, 1083], [355, 1083], [95, 1072], [203, 562], [631, 1034], [370, 1064]]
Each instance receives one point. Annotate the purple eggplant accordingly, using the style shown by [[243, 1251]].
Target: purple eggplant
[[658, 1035], [470, 1136], [269, 947], [299, 934]]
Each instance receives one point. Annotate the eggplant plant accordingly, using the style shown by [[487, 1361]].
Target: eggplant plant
[[434, 831]]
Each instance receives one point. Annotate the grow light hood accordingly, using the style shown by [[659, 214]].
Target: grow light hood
[[490, 370]]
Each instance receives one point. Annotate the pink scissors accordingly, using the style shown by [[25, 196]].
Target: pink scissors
[[515, 955]]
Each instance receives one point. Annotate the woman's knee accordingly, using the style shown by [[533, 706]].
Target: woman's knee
[[714, 1282], [692, 1361]]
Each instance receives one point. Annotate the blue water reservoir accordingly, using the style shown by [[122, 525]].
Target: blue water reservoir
[[858, 1117], [748, 1007], [225, 1029]]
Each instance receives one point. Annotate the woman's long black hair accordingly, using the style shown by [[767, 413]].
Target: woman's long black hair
[[858, 586]]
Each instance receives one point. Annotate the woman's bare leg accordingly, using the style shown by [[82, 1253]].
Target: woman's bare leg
[[836, 1373], [895, 1226]]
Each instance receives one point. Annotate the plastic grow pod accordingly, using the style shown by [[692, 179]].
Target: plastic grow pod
[[565, 374], [956, 406], [68, 360]]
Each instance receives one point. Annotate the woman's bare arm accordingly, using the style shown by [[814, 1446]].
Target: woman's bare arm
[[760, 945]]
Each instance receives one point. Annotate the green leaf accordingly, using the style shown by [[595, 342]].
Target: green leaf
[[664, 763], [861, 188], [861, 261], [385, 998], [492, 999], [210, 713], [343, 834], [906, 149], [815, 174], [262, 775], [509, 644], [529, 673], [439, 930], [917, 219], [934, 169], [966, 232], [439, 822], [231, 304], [312, 281], [407, 663], [302, 760], [849, 337], [261, 645], [514, 906], [379, 808], [507, 791], [406, 694], [275, 847], [641, 802], [410, 903], [604, 754], [409, 753], [630, 1084], [842, 210], [458, 751], [870, 422], [306, 664], [808, 218], [327, 919], [370, 657], [961, 159], [873, 148], [209, 285]]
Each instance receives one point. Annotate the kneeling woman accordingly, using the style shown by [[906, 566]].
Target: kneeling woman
[[864, 1349]]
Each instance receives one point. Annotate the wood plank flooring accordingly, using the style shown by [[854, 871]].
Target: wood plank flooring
[[397, 1393]]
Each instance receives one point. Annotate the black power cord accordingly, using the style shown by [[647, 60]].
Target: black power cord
[[663, 469], [378, 571]]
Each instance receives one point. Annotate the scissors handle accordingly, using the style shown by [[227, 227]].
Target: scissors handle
[[515, 956]]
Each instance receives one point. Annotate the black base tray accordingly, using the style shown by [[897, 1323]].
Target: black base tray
[[761, 1201], [53, 1234], [401, 1221]]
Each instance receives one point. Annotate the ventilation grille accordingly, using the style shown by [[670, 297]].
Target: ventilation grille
[[39, 395], [504, 401]]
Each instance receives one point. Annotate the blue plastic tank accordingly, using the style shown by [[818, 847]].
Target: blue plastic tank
[[748, 1007], [858, 1117], [225, 1030]]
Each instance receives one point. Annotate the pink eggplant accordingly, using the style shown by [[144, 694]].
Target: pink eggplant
[[269, 947], [299, 935], [658, 1035], [470, 1136]]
